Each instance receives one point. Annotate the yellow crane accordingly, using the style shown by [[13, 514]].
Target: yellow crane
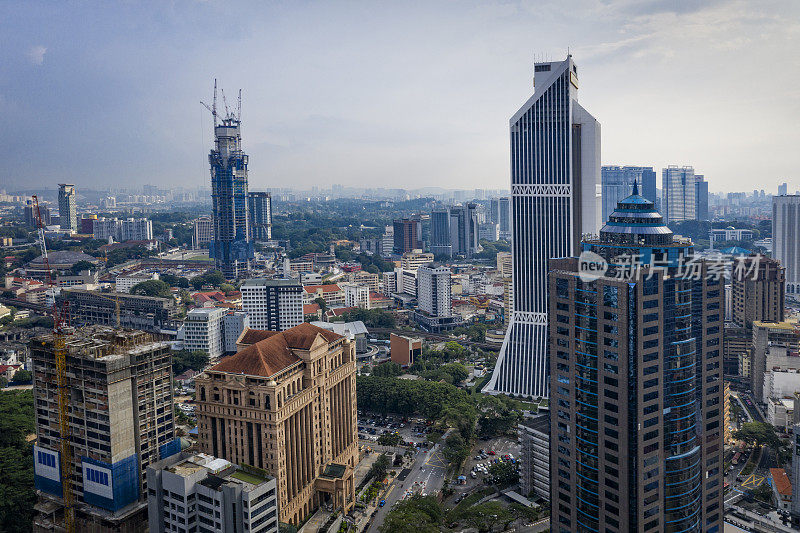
[[60, 330], [115, 299]]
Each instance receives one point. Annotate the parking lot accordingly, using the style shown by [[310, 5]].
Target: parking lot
[[412, 429], [481, 458]]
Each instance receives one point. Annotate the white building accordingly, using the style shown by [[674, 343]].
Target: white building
[[780, 413], [390, 282], [552, 206], [785, 229], [406, 281], [124, 283], [387, 241], [234, 324], [414, 260], [203, 231], [780, 384], [355, 295], [433, 291], [273, 304], [203, 330], [197, 492], [129, 229], [729, 234]]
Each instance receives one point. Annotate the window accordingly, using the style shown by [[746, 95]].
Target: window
[[610, 296], [96, 476], [562, 285], [650, 317]]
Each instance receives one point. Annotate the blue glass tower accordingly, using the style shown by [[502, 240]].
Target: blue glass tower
[[636, 381]]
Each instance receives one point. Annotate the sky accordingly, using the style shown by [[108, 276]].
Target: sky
[[390, 94]]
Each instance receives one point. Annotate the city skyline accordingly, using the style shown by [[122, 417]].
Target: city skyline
[[310, 100]]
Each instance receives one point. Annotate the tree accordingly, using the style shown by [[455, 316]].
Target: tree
[[175, 281], [504, 473], [22, 376], [184, 360], [152, 287], [80, 266], [763, 493], [227, 288], [320, 301], [758, 433], [455, 449], [385, 370], [379, 468], [17, 494], [484, 516], [389, 439], [420, 514]]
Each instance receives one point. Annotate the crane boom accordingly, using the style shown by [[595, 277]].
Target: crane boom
[[60, 317]]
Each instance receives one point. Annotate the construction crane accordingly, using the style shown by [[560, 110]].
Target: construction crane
[[115, 299], [60, 331]]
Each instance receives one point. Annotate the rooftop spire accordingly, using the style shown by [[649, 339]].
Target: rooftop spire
[[635, 188]]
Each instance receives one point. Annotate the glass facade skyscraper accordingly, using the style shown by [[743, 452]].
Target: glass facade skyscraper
[[679, 194], [231, 248], [617, 183], [440, 233], [636, 382], [555, 198]]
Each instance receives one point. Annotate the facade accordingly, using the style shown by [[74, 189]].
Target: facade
[[356, 295], [197, 492], [730, 233], [273, 304], [415, 259], [489, 231], [124, 283], [407, 235], [147, 313], [231, 248], [67, 207], [440, 233], [286, 403], [554, 200], [234, 323], [30, 215], [758, 291], [618, 182], [433, 291], [500, 214], [120, 401], [404, 349], [203, 232], [535, 455], [678, 191], [130, 229], [772, 341], [785, 247], [464, 230], [204, 330], [260, 213], [504, 264], [332, 293], [701, 197], [795, 508], [636, 390]]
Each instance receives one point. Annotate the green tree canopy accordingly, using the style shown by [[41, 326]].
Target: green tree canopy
[[152, 287], [420, 514]]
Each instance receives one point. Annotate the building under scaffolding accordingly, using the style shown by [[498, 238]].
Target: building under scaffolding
[[120, 419]]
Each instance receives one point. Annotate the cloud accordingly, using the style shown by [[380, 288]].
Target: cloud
[[36, 54]]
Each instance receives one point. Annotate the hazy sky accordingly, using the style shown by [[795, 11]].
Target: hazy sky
[[391, 94]]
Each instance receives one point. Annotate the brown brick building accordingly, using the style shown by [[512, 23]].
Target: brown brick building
[[759, 293], [286, 402]]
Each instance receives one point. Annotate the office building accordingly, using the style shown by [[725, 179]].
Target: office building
[[771, 341], [204, 330], [147, 313], [356, 332], [758, 286], [125, 282], [795, 508], [617, 183], [31, 218], [403, 350], [721, 235], [736, 341], [701, 197], [121, 421], [196, 492], [679, 194], [273, 304], [86, 224], [231, 248], [434, 311], [415, 259], [464, 230], [355, 295], [203, 232], [636, 388], [555, 182], [500, 214], [489, 231], [67, 207], [260, 212], [504, 263], [440, 233], [407, 234], [387, 241], [783, 189], [785, 245], [130, 229], [234, 323], [286, 403], [534, 431]]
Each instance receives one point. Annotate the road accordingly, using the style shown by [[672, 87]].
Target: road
[[426, 474], [437, 337]]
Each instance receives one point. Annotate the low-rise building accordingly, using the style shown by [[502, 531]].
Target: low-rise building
[[204, 330], [781, 488], [235, 323], [124, 282], [331, 293], [404, 349], [198, 492], [780, 413]]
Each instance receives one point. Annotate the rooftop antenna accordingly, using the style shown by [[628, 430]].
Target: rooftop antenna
[[239, 107], [225, 103]]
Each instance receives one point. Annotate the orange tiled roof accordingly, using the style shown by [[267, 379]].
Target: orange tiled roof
[[332, 287], [273, 353], [781, 480]]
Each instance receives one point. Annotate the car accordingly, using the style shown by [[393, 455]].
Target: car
[[383, 502], [491, 452]]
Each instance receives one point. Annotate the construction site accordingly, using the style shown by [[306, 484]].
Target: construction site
[[116, 390]]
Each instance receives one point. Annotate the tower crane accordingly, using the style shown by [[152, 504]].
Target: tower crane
[[60, 331]]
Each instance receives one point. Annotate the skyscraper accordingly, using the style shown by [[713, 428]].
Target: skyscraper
[[636, 383], [679, 194], [783, 189], [231, 248], [259, 209], [440, 233], [555, 181], [67, 207], [759, 293], [500, 213], [407, 232], [617, 183], [464, 230], [701, 197], [785, 246]]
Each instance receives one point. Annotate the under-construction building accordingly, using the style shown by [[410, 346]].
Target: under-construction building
[[120, 420], [232, 247], [147, 313]]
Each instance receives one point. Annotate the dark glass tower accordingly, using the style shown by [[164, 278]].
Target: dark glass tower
[[636, 382], [259, 209], [232, 248]]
